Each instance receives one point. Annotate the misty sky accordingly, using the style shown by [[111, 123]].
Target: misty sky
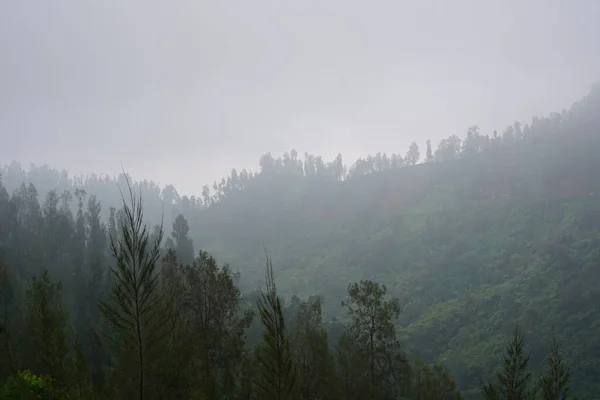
[[182, 91]]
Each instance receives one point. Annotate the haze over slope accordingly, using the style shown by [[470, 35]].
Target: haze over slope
[[490, 229]]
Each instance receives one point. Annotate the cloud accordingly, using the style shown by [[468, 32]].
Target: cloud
[[183, 91]]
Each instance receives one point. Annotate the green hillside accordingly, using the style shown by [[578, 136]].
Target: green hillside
[[469, 245]]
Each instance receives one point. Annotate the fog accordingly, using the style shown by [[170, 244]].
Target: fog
[[181, 92]]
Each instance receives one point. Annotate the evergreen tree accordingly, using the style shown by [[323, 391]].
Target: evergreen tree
[[47, 342], [554, 385], [429, 152], [413, 154], [212, 310], [277, 371], [135, 309], [183, 243], [512, 381], [6, 295]]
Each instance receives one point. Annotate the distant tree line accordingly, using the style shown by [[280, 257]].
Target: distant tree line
[[292, 165]]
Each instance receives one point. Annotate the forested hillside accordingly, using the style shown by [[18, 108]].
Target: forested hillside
[[486, 231]]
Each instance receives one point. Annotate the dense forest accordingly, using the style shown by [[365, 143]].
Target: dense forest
[[469, 274]]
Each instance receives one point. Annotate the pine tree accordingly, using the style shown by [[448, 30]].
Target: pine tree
[[555, 384], [183, 244], [274, 353], [81, 374], [46, 318], [513, 379], [6, 295], [135, 309], [429, 153]]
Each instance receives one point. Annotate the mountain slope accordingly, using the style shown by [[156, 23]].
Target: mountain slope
[[470, 245]]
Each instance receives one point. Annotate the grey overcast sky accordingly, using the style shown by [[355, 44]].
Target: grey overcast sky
[[182, 91]]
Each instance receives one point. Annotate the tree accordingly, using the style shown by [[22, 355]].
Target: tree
[[27, 385], [183, 243], [431, 382], [6, 296], [277, 371], [81, 374], [267, 163], [310, 350], [554, 385], [371, 325], [413, 155], [429, 153], [135, 309], [472, 144], [46, 320], [212, 309], [449, 149], [513, 379], [171, 371], [96, 248], [352, 362]]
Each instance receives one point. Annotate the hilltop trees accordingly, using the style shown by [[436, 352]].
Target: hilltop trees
[[183, 245], [413, 155]]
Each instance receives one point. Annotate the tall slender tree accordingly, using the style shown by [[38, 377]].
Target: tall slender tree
[[372, 326], [512, 381], [46, 328], [310, 350], [274, 352], [184, 246], [135, 309], [554, 385]]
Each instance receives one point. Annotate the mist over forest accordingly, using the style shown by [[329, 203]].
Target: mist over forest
[[316, 200], [415, 274]]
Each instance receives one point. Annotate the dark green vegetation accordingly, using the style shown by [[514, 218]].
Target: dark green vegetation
[[488, 231]]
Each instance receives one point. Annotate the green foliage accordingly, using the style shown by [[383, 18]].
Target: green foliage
[[47, 340], [274, 353], [431, 382], [372, 325], [6, 295], [184, 245], [82, 389], [314, 362], [492, 228], [136, 308], [212, 311], [554, 385], [512, 381], [27, 385]]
